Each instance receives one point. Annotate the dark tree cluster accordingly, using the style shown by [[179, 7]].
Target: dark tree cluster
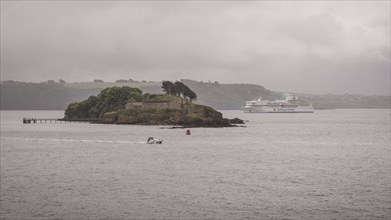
[[109, 99], [121, 81], [178, 89]]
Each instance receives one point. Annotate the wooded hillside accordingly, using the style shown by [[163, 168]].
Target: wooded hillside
[[57, 96]]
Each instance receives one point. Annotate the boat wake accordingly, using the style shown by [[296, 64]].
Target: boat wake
[[75, 140]]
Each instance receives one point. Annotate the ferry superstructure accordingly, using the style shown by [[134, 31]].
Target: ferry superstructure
[[288, 105]]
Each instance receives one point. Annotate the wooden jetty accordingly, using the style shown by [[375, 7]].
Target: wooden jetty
[[55, 120]]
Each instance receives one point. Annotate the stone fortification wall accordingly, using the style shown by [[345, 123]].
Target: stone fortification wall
[[153, 105]]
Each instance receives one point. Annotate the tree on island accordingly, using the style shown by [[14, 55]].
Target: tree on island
[[185, 91], [169, 88], [178, 89], [109, 99], [190, 94], [181, 88]]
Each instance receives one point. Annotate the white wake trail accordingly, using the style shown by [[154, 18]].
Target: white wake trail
[[75, 140]]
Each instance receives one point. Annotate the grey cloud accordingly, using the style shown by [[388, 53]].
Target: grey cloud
[[299, 47], [321, 29]]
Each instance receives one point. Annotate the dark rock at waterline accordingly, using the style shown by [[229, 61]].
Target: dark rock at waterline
[[236, 121]]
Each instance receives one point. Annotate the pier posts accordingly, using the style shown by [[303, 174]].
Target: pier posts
[[50, 120]]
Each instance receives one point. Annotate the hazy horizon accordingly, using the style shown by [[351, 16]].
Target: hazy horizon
[[302, 47]]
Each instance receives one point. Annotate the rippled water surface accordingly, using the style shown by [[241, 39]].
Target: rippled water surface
[[333, 164]]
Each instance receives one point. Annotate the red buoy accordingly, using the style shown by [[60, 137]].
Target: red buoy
[[188, 132]]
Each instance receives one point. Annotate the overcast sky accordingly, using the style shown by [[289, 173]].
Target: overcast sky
[[309, 47]]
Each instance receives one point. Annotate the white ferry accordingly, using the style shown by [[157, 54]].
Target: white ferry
[[288, 105]]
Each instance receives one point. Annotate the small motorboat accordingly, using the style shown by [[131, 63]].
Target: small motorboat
[[152, 140]]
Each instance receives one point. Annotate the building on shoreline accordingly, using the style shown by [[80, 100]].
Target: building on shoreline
[[153, 105]]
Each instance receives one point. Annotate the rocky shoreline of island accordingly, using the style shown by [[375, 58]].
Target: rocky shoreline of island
[[126, 105]]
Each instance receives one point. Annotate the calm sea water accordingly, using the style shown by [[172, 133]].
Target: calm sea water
[[333, 164]]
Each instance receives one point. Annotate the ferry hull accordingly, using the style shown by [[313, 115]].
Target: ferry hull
[[255, 109], [252, 111]]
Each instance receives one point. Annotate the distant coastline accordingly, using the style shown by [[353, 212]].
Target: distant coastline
[[56, 96]]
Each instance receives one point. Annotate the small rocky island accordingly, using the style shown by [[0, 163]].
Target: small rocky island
[[126, 105]]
